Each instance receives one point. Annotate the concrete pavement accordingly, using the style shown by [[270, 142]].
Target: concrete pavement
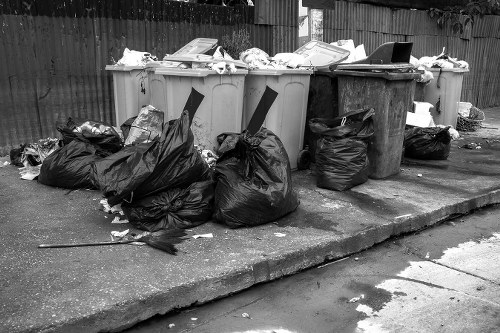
[[110, 288]]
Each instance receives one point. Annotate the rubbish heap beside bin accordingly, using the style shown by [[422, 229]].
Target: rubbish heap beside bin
[[287, 116], [390, 91]]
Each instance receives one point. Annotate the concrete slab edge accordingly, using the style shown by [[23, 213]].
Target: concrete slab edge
[[122, 316]]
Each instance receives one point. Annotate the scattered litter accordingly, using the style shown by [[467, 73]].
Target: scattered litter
[[118, 220], [4, 164], [403, 216], [419, 175], [194, 319], [427, 256], [119, 234], [208, 156], [210, 235], [479, 288], [356, 259], [104, 206], [471, 145], [246, 315], [279, 234], [171, 325], [356, 299], [30, 172]]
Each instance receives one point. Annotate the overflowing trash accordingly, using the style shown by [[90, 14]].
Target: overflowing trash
[[342, 151], [355, 52], [443, 60], [135, 58]]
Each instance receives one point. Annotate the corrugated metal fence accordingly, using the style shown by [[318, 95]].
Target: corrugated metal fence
[[53, 54], [374, 25]]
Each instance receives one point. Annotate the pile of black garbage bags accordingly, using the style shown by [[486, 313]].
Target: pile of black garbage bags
[[164, 183]]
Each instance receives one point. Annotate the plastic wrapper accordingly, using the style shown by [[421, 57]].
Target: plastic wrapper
[[145, 169], [254, 183], [174, 208], [146, 126], [427, 143], [135, 58], [342, 151], [102, 136]]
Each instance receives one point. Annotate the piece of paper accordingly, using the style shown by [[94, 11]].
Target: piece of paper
[[210, 235]]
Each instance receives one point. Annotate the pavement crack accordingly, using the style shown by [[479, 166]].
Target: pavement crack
[[464, 272]]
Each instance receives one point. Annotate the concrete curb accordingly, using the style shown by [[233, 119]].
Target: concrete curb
[[126, 315]]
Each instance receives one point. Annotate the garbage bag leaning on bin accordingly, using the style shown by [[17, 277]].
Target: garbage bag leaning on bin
[[140, 170], [174, 208], [70, 166], [342, 151], [254, 183], [102, 136], [427, 143]]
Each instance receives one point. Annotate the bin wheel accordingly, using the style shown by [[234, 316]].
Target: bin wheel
[[304, 160]]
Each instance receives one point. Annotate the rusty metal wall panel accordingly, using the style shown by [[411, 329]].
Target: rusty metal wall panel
[[487, 26], [54, 65], [277, 12], [285, 39]]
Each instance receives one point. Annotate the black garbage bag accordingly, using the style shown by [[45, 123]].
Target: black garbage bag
[[16, 155], [144, 169], [342, 151], [173, 209], [70, 166], [427, 143], [102, 136], [254, 183]]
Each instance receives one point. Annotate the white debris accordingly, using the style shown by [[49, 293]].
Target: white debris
[[210, 235]]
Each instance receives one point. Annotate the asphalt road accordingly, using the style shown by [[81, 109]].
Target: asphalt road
[[443, 279]]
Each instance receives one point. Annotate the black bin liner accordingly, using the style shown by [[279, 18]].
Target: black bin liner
[[342, 151], [173, 209], [70, 166], [427, 143], [254, 184], [144, 169], [85, 142]]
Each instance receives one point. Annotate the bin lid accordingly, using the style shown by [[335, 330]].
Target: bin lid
[[197, 46], [123, 68], [193, 72], [377, 67], [454, 70], [391, 76], [320, 55], [202, 58], [276, 72]]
